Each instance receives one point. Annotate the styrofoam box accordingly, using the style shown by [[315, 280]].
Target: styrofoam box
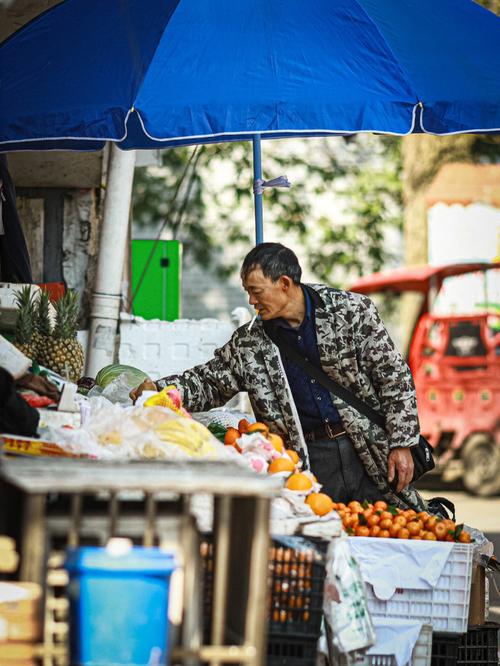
[[162, 348], [421, 655], [445, 607]]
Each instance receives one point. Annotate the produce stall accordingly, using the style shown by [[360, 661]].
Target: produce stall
[[272, 569]]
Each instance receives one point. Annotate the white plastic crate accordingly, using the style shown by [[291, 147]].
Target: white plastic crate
[[421, 655], [445, 607]]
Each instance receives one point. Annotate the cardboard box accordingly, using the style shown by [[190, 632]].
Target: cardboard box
[[477, 608]]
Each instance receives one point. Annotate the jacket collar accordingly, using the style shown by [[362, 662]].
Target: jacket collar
[[269, 325]]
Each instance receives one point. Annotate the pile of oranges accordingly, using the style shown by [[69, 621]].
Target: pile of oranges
[[381, 520]]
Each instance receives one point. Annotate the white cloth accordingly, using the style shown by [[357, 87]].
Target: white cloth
[[395, 637], [388, 564]]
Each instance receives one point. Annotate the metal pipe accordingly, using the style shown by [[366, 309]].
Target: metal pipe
[[106, 297], [257, 192]]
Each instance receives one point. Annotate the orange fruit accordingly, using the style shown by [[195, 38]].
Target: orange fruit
[[384, 534], [320, 503], [385, 524], [394, 530], [298, 481], [277, 442], [355, 506], [414, 527], [386, 514], [280, 465], [464, 537], [428, 536], [373, 520], [341, 506], [374, 531], [293, 455], [380, 506], [403, 533], [400, 520], [258, 427], [362, 530], [440, 530], [431, 522], [243, 425], [230, 438]]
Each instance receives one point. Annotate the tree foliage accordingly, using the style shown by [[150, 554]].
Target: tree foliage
[[346, 194]]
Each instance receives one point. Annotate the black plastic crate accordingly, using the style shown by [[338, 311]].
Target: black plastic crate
[[291, 652], [479, 646], [296, 581], [445, 649]]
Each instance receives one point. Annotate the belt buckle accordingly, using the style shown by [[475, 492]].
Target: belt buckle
[[331, 432]]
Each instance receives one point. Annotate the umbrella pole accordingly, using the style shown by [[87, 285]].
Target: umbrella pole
[[106, 297], [257, 190]]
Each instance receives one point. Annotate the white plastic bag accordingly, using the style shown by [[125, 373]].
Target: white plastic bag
[[350, 627]]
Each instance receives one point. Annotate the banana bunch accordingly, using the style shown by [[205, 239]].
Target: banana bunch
[[190, 435]]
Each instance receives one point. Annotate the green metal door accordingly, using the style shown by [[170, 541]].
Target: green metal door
[[156, 279]]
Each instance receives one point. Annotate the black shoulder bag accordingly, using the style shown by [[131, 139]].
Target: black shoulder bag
[[423, 460]]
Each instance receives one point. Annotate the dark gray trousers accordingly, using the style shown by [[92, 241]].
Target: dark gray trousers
[[339, 469]]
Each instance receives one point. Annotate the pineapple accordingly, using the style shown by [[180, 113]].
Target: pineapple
[[42, 327], [64, 354], [23, 334]]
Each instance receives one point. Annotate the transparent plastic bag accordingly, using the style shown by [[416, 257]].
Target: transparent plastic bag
[[225, 417], [118, 390], [114, 432]]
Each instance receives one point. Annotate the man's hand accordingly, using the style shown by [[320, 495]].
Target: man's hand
[[147, 385], [400, 460], [39, 385]]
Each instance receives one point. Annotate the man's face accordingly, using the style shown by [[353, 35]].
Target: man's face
[[268, 297]]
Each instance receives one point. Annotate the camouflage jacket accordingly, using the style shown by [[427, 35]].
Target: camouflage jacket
[[355, 350]]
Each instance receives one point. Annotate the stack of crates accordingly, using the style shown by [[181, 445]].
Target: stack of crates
[[445, 608], [295, 604], [477, 647]]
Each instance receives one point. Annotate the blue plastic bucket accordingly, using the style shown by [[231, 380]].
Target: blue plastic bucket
[[119, 606]]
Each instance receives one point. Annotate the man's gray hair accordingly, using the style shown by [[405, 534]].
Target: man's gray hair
[[274, 260]]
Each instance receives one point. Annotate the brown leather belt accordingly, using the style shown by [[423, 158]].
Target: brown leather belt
[[326, 431]]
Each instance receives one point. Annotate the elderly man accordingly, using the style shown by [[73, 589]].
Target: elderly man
[[342, 334]]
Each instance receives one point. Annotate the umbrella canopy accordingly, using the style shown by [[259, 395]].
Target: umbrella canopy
[[174, 72]]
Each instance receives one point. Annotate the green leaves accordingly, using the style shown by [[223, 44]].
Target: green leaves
[[345, 196]]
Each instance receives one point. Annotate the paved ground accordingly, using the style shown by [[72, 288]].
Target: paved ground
[[482, 513]]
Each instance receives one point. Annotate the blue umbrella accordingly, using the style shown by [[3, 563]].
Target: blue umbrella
[[162, 73]]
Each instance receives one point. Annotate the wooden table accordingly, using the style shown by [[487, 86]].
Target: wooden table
[[241, 536]]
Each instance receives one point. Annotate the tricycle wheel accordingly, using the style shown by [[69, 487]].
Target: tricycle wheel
[[481, 460]]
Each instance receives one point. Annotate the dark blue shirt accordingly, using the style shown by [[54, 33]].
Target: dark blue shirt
[[313, 401]]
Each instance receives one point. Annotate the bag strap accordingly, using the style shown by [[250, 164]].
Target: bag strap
[[329, 383]]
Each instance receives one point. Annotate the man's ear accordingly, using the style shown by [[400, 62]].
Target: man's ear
[[285, 282]]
